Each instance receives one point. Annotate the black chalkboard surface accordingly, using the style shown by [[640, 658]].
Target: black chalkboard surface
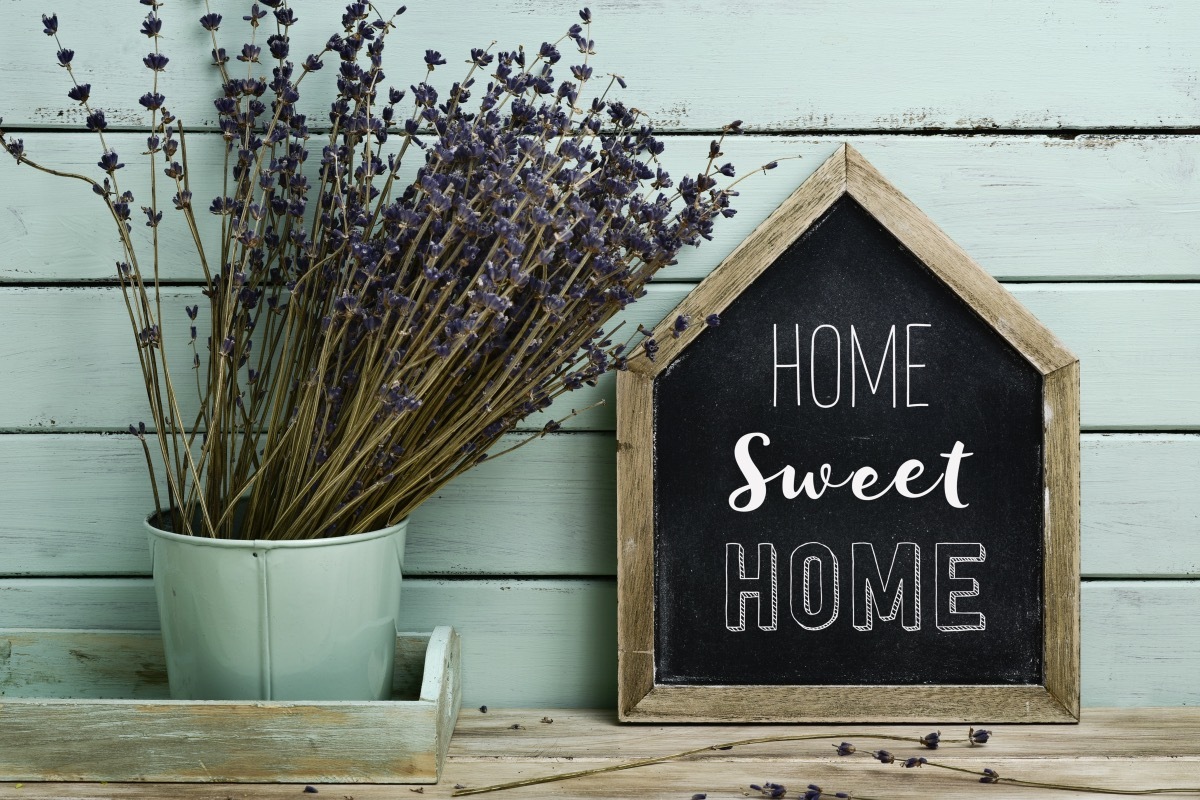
[[857, 497], [892, 366]]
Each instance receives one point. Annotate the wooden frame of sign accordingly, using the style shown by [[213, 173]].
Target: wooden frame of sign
[[1056, 699]]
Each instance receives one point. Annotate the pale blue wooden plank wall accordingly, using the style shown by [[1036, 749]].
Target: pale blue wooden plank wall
[[1056, 142]]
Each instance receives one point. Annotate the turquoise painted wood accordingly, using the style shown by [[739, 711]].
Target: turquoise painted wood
[[697, 64], [1086, 229], [71, 365], [1025, 207], [553, 642], [547, 509]]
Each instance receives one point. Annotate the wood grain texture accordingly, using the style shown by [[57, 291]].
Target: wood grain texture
[[553, 642], [402, 740], [696, 64], [70, 364], [1156, 747], [849, 704], [1096, 207], [1060, 554], [720, 777], [547, 509], [129, 665], [635, 538]]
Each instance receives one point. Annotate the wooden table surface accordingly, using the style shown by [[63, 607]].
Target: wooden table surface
[[1128, 748]]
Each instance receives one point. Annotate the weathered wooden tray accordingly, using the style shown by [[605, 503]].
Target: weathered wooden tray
[[91, 706]]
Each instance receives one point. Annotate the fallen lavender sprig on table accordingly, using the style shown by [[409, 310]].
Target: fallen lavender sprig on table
[[930, 741], [364, 339]]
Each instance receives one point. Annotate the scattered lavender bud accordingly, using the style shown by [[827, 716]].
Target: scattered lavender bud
[[310, 790], [979, 736], [909, 763], [884, 757], [845, 749], [681, 324], [712, 320], [990, 776], [700, 796], [932, 740], [483, 709]]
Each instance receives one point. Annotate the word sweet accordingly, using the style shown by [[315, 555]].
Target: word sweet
[[815, 593], [752, 494]]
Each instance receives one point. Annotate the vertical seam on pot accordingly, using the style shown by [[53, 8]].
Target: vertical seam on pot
[[265, 626]]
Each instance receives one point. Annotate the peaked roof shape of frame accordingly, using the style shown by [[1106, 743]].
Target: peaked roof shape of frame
[[846, 172]]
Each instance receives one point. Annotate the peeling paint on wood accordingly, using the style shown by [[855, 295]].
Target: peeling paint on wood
[[60, 732], [833, 66]]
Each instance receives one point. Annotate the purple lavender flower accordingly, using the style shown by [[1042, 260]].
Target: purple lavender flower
[[80, 92], [96, 121], [979, 736], [152, 26], [884, 757], [109, 162], [156, 61], [152, 101], [433, 59], [50, 24], [990, 776], [909, 763], [845, 749], [932, 740], [210, 22], [65, 56]]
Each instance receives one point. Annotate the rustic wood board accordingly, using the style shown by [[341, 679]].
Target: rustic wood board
[[1118, 748], [547, 509], [122, 727], [1095, 207], [1136, 341], [695, 64], [553, 641]]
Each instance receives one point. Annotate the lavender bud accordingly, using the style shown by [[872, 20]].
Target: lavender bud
[[156, 61], [64, 57], [96, 121], [80, 92], [109, 162], [979, 736], [50, 24], [932, 740], [884, 757], [845, 749], [210, 22], [433, 59], [152, 27], [909, 763]]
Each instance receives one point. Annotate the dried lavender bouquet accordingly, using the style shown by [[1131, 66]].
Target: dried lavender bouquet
[[368, 339]]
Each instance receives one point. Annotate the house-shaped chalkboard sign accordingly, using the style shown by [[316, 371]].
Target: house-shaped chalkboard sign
[[857, 498]]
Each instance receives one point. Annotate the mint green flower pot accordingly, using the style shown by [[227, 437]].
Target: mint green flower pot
[[279, 620]]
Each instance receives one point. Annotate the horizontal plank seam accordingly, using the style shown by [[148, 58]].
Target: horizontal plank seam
[[955, 131]]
